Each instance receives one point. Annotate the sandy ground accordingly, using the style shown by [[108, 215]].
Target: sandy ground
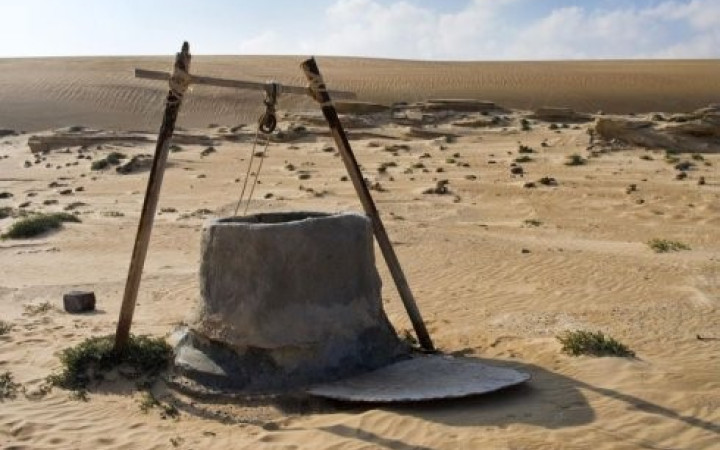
[[498, 269]]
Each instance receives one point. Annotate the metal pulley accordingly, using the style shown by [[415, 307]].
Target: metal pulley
[[268, 121]]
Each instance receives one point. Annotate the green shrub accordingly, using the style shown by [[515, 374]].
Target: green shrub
[[665, 245], [37, 224], [525, 149], [114, 158], [86, 361], [575, 160], [581, 342], [100, 164], [6, 211], [8, 387]]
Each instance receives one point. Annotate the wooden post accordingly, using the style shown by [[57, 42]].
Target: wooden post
[[178, 85], [321, 95]]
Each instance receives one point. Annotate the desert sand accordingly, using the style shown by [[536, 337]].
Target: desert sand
[[499, 268]]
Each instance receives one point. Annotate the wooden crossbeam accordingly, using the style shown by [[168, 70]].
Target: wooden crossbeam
[[236, 84]]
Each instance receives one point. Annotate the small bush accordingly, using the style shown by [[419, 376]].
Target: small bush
[[580, 342], [575, 160], [37, 224], [100, 164], [524, 159], [533, 222], [525, 149], [5, 327], [525, 125], [5, 211], [665, 245], [646, 157], [86, 361], [8, 387], [114, 158]]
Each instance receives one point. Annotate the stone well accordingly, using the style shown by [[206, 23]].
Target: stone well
[[287, 299]]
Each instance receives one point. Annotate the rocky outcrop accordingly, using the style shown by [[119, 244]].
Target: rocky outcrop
[[559, 114], [695, 132]]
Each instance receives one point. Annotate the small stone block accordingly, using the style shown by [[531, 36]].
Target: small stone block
[[79, 301]]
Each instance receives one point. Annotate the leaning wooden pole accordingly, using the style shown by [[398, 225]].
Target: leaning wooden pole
[[319, 92], [178, 85]]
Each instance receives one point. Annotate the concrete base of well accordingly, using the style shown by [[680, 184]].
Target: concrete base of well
[[287, 300]]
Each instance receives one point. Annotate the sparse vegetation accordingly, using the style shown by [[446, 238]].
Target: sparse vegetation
[[87, 361], [100, 164], [525, 149], [581, 342], [5, 327], [646, 157], [114, 158], [524, 159], [5, 211], [665, 245], [525, 125], [34, 309], [37, 224], [575, 160], [8, 387], [532, 222]]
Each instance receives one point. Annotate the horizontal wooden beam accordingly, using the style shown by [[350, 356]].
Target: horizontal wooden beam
[[235, 84]]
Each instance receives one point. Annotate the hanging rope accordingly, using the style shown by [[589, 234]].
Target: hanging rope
[[266, 124]]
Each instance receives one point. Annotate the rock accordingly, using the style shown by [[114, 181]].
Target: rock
[[460, 105], [691, 133], [136, 163], [559, 114], [79, 301], [359, 107]]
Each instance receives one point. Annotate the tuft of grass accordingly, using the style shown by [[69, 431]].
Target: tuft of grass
[[532, 222], [5, 327], [525, 149], [582, 342], [524, 159], [525, 125], [86, 361], [6, 211], [665, 245], [575, 160], [37, 224], [100, 164], [114, 158], [8, 387]]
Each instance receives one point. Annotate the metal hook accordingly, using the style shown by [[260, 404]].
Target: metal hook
[[268, 121]]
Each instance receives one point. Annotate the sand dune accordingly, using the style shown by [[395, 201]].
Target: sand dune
[[499, 269], [102, 92]]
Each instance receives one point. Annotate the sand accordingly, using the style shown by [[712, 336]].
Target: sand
[[498, 269]]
